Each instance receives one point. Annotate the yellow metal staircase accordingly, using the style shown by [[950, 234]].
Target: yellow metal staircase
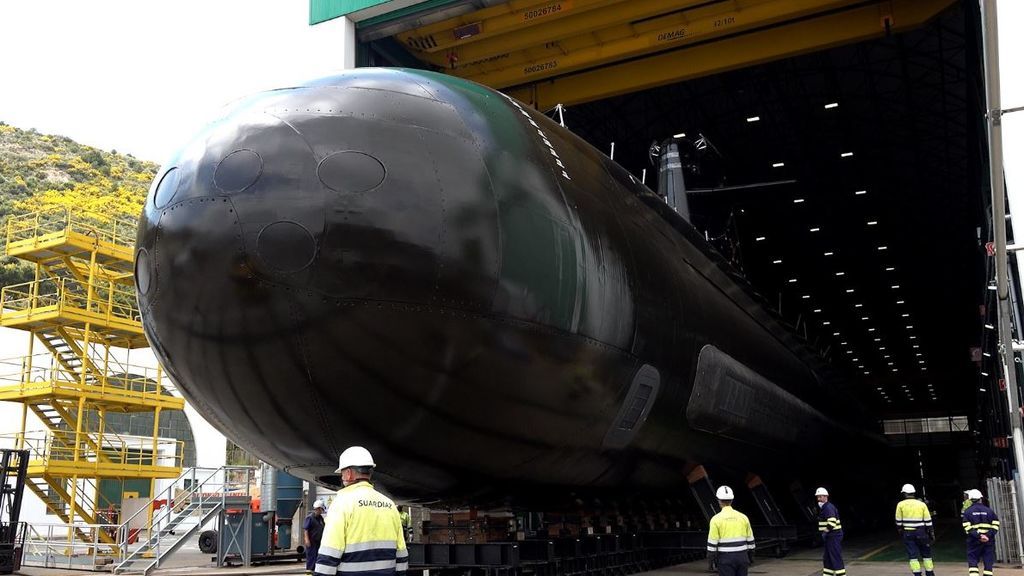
[[81, 307]]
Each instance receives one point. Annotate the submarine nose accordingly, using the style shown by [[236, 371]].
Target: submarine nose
[[357, 186], [280, 248]]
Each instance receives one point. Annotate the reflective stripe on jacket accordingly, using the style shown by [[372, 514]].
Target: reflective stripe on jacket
[[730, 531], [912, 514], [362, 535], [828, 518], [980, 519]]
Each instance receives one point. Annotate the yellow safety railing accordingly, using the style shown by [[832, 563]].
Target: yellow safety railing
[[118, 231], [26, 374], [104, 299], [124, 452]]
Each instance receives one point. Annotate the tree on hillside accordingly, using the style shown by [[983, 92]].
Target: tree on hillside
[[101, 200]]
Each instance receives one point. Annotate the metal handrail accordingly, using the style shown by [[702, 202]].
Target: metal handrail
[[45, 370], [198, 493], [118, 231], [105, 298], [55, 541], [73, 446]]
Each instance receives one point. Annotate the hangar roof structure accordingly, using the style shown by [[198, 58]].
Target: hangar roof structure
[[837, 152]]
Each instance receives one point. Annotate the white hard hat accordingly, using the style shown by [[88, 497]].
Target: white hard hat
[[908, 489], [724, 493], [354, 456], [318, 503], [974, 494], [821, 492]]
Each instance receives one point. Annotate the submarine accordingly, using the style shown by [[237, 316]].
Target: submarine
[[423, 266]]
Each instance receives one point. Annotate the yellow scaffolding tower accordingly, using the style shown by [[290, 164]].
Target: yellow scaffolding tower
[[81, 307]]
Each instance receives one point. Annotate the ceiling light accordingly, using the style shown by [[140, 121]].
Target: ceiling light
[[829, 253], [878, 339], [891, 364], [854, 359], [871, 329], [986, 354], [920, 361], [817, 310], [895, 286], [860, 192], [792, 280], [982, 390], [826, 323], [753, 119], [806, 297], [846, 154], [991, 286], [835, 333], [881, 347], [831, 105], [918, 354], [759, 239], [798, 201], [899, 301], [842, 343], [815, 229], [883, 247], [913, 337], [778, 165], [840, 273], [889, 269], [990, 327], [905, 315], [776, 261], [915, 346], [864, 317], [866, 372], [680, 135], [849, 290], [910, 327], [858, 305], [886, 356], [872, 222], [984, 373]]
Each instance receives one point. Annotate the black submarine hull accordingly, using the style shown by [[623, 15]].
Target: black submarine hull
[[420, 265]]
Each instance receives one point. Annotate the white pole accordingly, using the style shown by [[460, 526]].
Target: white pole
[[995, 140]]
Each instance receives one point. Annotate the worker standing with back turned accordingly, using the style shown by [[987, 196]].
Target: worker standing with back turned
[[831, 535], [363, 533], [730, 538], [981, 525], [914, 522]]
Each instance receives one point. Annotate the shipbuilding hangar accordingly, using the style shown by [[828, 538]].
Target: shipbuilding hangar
[[834, 152]]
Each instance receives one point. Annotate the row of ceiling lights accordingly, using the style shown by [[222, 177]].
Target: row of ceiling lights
[[871, 330]]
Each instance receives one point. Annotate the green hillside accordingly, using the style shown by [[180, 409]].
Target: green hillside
[[40, 171]]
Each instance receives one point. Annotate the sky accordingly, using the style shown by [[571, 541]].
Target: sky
[[143, 76]]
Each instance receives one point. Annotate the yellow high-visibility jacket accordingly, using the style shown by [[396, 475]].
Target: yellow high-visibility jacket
[[730, 532], [913, 514], [362, 535]]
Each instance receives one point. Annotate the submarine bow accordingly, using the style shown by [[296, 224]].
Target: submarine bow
[[423, 266]]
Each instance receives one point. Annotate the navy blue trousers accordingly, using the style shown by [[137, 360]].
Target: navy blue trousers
[[833, 555], [983, 552], [733, 564], [919, 545], [311, 553]]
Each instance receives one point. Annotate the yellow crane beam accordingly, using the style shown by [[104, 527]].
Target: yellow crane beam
[[501, 48], [630, 40], [515, 16], [835, 29]]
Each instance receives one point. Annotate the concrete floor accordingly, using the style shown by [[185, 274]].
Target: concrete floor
[[189, 561]]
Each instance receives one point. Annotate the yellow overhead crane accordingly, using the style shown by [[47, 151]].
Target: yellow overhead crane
[[81, 307], [573, 51]]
